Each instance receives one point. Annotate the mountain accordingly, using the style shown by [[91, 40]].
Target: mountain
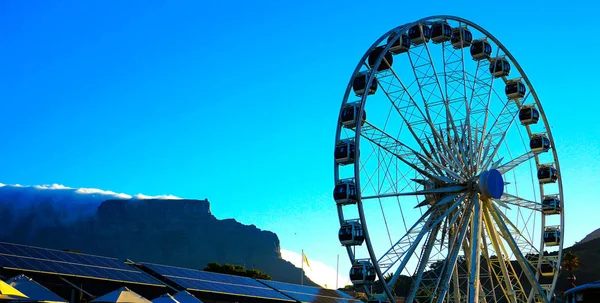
[[176, 232], [589, 269], [591, 236]]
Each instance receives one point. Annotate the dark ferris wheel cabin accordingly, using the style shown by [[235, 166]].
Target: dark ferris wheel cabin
[[350, 115], [539, 143], [344, 192], [441, 32], [552, 236], [461, 37], [500, 67], [386, 62], [399, 46], [344, 152], [359, 85], [419, 34], [351, 233], [528, 115], [362, 273], [481, 49], [551, 205], [515, 89], [547, 174]]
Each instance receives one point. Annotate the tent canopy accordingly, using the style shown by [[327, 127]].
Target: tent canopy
[[34, 291], [9, 293], [166, 298], [186, 297], [121, 295]]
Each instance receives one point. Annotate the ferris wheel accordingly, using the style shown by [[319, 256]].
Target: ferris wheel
[[447, 181]]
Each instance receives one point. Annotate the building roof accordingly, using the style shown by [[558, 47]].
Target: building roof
[[583, 287], [35, 291]]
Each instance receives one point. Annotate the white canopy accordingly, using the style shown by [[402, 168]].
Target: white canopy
[[166, 298], [35, 291], [186, 297], [121, 295]]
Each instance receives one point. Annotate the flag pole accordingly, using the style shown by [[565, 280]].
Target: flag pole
[[337, 271], [302, 271]]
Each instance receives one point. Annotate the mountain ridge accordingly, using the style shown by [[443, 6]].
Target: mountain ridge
[[178, 232]]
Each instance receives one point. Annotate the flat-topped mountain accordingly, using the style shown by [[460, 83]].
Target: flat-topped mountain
[[177, 232]]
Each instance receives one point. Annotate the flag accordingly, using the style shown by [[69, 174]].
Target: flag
[[305, 259]]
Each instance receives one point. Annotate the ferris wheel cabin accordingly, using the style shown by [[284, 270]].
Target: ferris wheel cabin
[[551, 205], [528, 114], [344, 192], [344, 152], [386, 62], [499, 67], [401, 45], [360, 82], [419, 34], [515, 89], [441, 32], [539, 143], [552, 236], [481, 49], [547, 269], [461, 37], [351, 233], [362, 272], [547, 174], [350, 115]]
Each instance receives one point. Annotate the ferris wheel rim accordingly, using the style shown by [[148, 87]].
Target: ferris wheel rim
[[357, 141]]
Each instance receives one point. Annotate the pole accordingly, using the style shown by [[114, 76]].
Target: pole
[[302, 271], [337, 271]]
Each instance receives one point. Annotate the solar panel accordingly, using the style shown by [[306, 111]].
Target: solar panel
[[310, 294], [28, 258], [217, 283]]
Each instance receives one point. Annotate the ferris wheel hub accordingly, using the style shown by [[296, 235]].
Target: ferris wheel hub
[[491, 184]]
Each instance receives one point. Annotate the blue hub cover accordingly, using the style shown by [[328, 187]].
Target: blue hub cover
[[491, 184]]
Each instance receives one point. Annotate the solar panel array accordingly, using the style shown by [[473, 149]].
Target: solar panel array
[[34, 259], [198, 280], [310, 294]]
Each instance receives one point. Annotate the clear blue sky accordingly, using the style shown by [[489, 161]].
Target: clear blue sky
[[237, 102]]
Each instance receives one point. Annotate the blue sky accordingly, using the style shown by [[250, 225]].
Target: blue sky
[[237, 102]]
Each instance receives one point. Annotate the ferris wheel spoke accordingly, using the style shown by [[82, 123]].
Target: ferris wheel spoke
[[523, 263], [455, 248], [406, 154], [521, 241], [491, 272], [410, 112], [409, 242], [506, 167], [425, 78], [498, 131], [475, 245], [423, 262], [500, 260], [520, 202]]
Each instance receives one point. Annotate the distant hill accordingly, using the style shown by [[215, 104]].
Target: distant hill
[[589, 256], [593, 235], [175, 232]]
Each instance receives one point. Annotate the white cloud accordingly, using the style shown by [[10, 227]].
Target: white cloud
[[318, 272], [167, 197], [66, 204]]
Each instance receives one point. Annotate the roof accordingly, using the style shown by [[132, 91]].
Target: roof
[[8, 292], [186, 297], [583, 287], [166, 298], [121, 295], [34, 290]]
